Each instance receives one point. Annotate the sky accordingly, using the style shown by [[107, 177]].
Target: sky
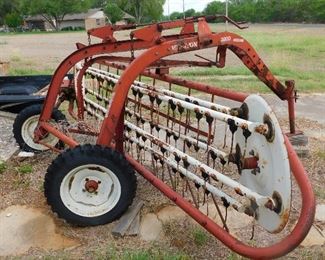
[[177, 5]]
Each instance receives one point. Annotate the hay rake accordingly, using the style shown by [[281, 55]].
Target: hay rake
[[174, 133]]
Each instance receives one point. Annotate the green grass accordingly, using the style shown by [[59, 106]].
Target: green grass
[[28, 71], [200, 236], [25, 169], [319, 193], [321, 155], [153, 253], [288, 54], [3, 167], [234, 256], [290, 51], [38, 32]]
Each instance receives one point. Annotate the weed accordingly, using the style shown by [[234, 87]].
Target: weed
[[24, 169], [200, 236], [15, 58], [233, 256], [321, 155], [3, 167], [20, 182], [61, 255], [152, 253], [319, 192]]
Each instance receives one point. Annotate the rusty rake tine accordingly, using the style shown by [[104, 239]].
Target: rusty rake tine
[[253, 229], [225, 136], [192, 194], [172, 180], [223, 220]]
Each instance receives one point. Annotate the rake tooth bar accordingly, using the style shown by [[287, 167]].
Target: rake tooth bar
[[137, 116], [222, 116], [114, 78], [257, 198], [193, 177]]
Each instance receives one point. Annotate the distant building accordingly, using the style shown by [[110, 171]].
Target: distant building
[[126, 19], [37, 22], [96, 19], [93, 18]]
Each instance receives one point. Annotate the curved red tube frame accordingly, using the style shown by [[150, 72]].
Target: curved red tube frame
[[281, 248], [159, 48]]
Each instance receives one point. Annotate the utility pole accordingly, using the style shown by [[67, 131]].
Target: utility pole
[[184, 9], [168, 10], [227, 14]]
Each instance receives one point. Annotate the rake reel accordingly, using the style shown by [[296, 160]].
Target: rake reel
[[175, 133]]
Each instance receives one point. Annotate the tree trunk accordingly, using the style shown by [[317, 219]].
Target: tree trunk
[[50, 21]]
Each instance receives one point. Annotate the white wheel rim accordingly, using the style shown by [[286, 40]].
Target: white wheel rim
[[274, 170], [88, 203], [27, 133]]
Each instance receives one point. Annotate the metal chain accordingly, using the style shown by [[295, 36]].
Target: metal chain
[[89, 39], [132, 47]]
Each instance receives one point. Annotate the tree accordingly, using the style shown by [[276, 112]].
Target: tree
[[7, 7], [316, 10], [176, 15], [215, 7], [54, 11], [13, 20], [190, 13], [142, 10], [113, 12], [99, 3]]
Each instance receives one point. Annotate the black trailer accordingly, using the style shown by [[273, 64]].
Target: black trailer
[[19, 92]]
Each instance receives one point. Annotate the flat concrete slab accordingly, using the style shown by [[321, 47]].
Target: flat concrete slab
[[22, 228]]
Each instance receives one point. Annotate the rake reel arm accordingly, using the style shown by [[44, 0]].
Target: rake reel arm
[[113, 124], [203, 39], [279, 249]]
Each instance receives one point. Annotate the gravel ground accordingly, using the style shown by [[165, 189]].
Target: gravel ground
[[7, 142]]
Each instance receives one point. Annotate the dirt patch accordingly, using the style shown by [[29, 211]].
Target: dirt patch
[[22, 227]]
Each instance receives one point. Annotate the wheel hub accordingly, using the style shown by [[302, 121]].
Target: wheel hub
[[91, 186], [90, 190]]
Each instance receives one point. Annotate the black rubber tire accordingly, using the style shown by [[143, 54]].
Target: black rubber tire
[[26, 113], [89, 154]]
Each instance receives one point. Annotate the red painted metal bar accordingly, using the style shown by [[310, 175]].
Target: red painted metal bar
[[112, 123], [204, 40], [206, 88], [67, 140], [119, 137], [279, 249], [84, 53], [177, 44], [163, 62], [291, 106]]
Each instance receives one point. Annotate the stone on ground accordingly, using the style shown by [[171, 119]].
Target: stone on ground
[[169, 213], [314, 238], [150, 228], [22, 228], [320, 212], [235, 219]]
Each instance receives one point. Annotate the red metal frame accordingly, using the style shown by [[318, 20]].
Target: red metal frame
[[279, 249], [157, 47]]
